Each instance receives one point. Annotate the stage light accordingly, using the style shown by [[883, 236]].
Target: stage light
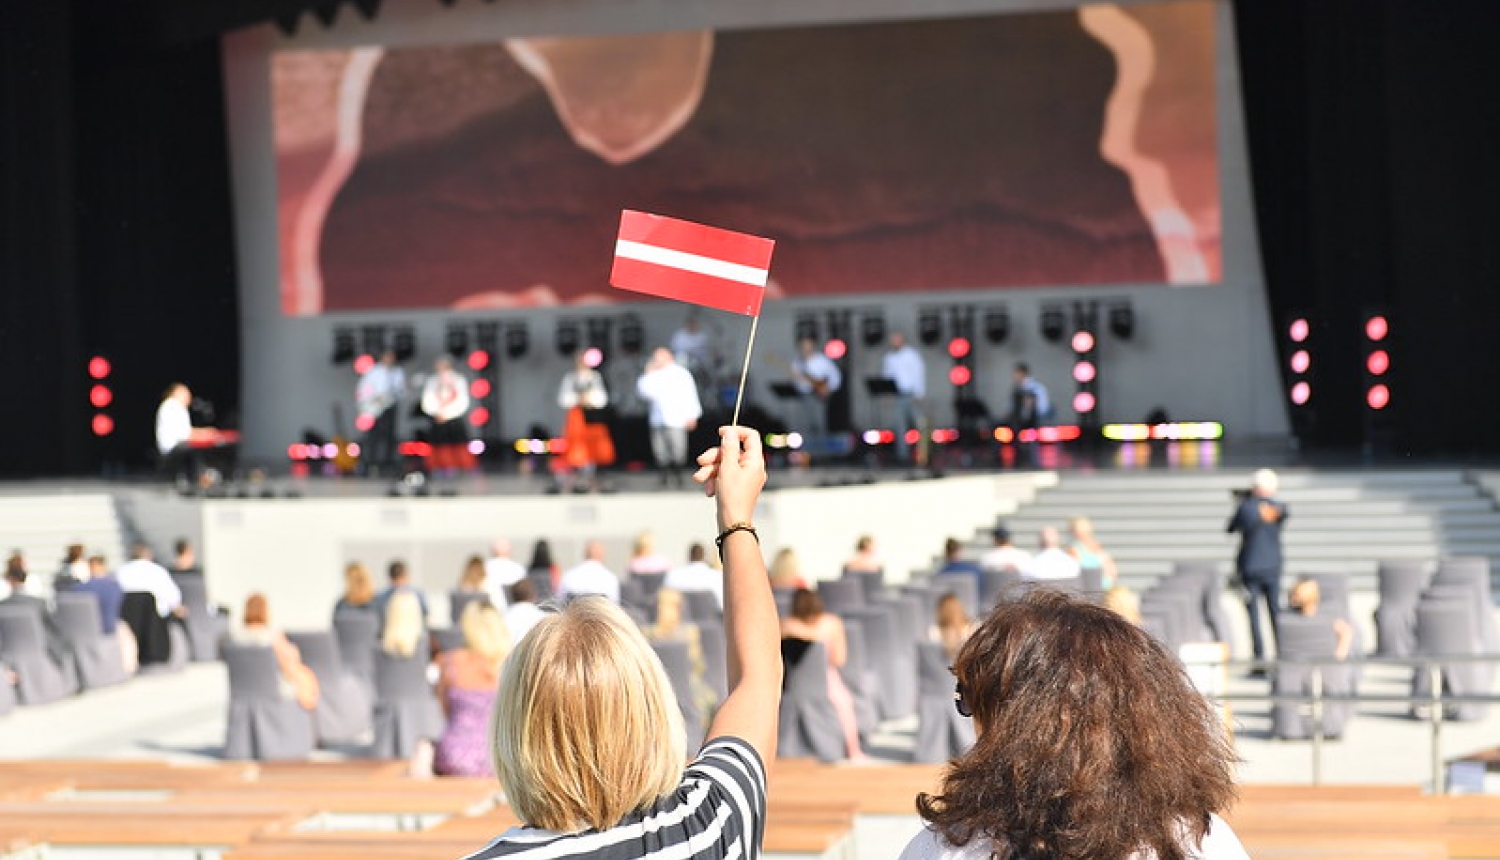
[[457, 340], [959, 347], [102, 425], [805, 328], [1084, 371], [479, 388], [835, 349], [517, 340], [632, 335], [99, 367], [364, 364], [1379, 397], [1299, 330], [929, 327], [476, 447], [1084, 402], [1301, 393], [1300, 361], [1083, 342], [101, 396], [1376, 328], [479, 416], [1122, 321], [996, 325], [404, 343], [1378, 363], [479, 360], [567, 337], [343, 345], [960, 375], [1053, 323], [872, 329], [593, 356], [364, 423]]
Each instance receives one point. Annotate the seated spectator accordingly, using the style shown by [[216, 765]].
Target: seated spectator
[[809, 622], [522, 614], [953, 560], [865, 558], [142, 574], [697, 575], [1052, 562], [786, 570], [16, 563], [1086, 549], [669, 627], [57, 645], [1005, 555], [359, 590], [107, 591], [1034, 786], [404, 625], [467, 678], [472, 580], [184, 557], [952, 626], [1304, 599], [501, 572], [541, 562], [644, 558], [75, 569], [1124, 603], [590, 576], [588, 737], [297, 681], [400, 583]]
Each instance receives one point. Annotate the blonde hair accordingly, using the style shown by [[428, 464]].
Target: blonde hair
[[1124, 603], [473, 575], [786, 570], [669, 604], [1082, 529], [1304, 595], [485, 632], [586, 727], [645, 544], [403, 624], [359, 587]]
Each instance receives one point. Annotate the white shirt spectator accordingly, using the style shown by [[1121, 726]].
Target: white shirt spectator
[[521, 617], [696, 576], [820, 367], [590, 577], [143, 574], [1050, 563], [1002, 557], [173, 425], [905, 367], [501, 573], [673, 396]]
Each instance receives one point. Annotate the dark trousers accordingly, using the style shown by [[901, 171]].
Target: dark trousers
[[1261, 589], [183, 463], [380, 442]]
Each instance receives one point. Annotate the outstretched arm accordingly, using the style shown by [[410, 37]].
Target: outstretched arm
[[735, 472]]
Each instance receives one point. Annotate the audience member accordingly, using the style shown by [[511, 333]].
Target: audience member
[[57, 645], [865, 558], [400, 583], [1100, 779], [297, 681], [1087, 550], [501, 571], [1124, 603], [404, 625], [1005, 555], [810, 623], [142, 574], [697, 575], [1259, 518], [472, 580], [184, 557], [590, 576], [1051, 562], [644, 558], [359, 590], [786, 570], [16, 563], [542, 562], [106, 589], [522, 614], [467, 678], [952, 625], [953, 560], [1305, 599], [669, 626], [74, 570], [588, 737]]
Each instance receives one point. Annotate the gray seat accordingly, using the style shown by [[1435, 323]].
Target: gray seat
[[964, 586], [458, 601], [675, 658], [914, 616], [264, 722], [7, 692], [1446, 627], [715, 645], [356, 632], [1204, 580], [1301, 639], [783, 598], [1473, 572], [448, 639], [840, 594], [872, 582], [96, 653], [942, 734], [23, 647], [649, 584], [406, 709], [1401, 585], [702, 606], [1333, 601], [203, 625], [1091, 581], [1160, 622], [541, 582], [863, 681], [809, 726], [997, 585], [345, 711], [893, 656]]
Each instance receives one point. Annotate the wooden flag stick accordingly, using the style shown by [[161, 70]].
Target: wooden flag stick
[[739, 396]]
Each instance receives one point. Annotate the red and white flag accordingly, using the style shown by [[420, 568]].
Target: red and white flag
[[691, 262]]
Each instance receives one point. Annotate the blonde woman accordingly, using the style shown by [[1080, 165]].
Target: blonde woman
[[786, 570], [359, 590], [952, 625], [403, 631], [588, 737], [669, 626], [644, 558], [1089, 553], [466, 690], [471, 581]]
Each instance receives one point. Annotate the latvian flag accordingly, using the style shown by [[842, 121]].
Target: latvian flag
[[691, 262]]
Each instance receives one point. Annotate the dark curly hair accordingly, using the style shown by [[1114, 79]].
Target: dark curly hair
[[1092, 743]]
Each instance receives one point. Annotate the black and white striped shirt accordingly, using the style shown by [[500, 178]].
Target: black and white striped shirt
[[717, 813]]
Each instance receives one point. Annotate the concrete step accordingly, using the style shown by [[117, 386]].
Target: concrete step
[[1316, 520], [1100, 495], [1058, 508], [1290, 478]]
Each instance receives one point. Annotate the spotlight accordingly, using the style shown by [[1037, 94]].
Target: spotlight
[[959, 347], [806, 328], [1083, 342], [996, 325], [872, 329], [567, 337], [593, 357], [457, 341], [836, 349], [632, 335], [1122, 321], [343, 346], [404, 344], [1299, 330], [929, 327], [99, 367], [517, 340], [1053, 322], [478, 360]]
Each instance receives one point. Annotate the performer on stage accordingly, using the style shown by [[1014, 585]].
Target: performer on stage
[[378, 398], [582, 392], [445, 399], [903, 366], [694, 347], [816, 377], [175, 435], [1029, 407], [675, 410]]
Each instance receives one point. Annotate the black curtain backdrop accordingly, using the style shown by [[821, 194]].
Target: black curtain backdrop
[[1371, 146]]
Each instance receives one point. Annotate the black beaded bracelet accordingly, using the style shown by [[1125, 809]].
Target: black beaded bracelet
[[731, 529]]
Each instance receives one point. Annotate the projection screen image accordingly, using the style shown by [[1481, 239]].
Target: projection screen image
[[1039, 149]]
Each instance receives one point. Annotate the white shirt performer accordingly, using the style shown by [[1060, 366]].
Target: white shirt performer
[[903, 366], [175, 434], [816, 377], [376, 397], [675, 410]]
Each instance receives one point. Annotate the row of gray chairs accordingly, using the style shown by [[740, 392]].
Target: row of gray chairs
[[84, 657]]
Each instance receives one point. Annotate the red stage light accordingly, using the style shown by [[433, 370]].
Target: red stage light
[[1083, 402], [479, 389], [364, 364], [101, 396], [1301, 393], [836, 349], [593, 357], [1299, 330], [99, 367], [1300, 361], [1004, 435], [479, 360], [479, 417], [960, 375], [1083, 341], [1376, 328], [1378, 362], [103, 425], [1378, 397], [364, 423], [959, 347], [912, 437], [1084, 371]]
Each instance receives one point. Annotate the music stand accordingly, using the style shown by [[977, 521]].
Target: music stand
[[881, 386], [785, 391]]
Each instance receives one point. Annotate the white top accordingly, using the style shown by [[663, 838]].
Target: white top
[[143, 574], [445, 397], [904, 366], [1002, 557], [582, 388], [502, 572], [173, 425], [673, 396], [1050, 563], [380, 389], [521, 617], [696, 576], [817, 366], [1219, 843], [590, 577]]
